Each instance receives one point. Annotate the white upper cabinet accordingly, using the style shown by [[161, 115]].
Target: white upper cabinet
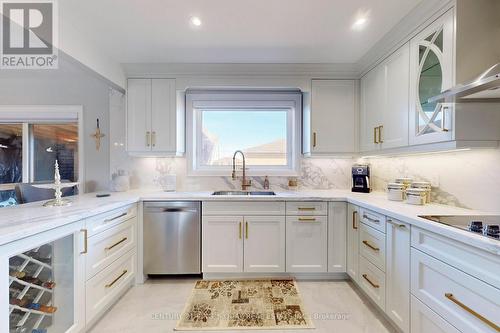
[[151, 116], [432, 71], [394, 130], [138, 114], [372, 93], [333, 117], [384, 103]]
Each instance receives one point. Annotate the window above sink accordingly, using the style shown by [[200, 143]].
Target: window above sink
[[264, 125]]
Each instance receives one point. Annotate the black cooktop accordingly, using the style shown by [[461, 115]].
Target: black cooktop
[[486, 225]]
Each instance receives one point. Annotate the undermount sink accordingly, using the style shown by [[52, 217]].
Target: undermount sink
[[243, 193]]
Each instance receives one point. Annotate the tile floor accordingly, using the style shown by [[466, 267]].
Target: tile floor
[[336, 306]]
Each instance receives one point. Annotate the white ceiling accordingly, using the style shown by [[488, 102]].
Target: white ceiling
[[234, 31]]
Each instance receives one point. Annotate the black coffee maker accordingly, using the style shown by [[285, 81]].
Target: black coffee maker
[[361, 178]]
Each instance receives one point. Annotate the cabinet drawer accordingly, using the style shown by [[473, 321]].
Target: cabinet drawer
[[478, 263], [374, 220], [243, 208], [372, 281], [306, 244], [423, 319], [470, 304], [307, 208], [109, 245], [104, 288], [372, 246], [101, 222]]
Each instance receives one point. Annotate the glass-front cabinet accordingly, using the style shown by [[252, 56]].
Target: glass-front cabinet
[[432, 71], [44, 285]]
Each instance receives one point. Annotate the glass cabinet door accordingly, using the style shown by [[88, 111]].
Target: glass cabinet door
[[42, 284], [432, 65]]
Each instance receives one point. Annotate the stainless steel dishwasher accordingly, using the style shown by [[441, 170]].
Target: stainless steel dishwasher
[[172, 237]]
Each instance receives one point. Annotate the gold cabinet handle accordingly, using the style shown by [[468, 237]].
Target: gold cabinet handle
[[307, 219], [148, 139], [375, 129], [371, 246], [374, 285], [306, 208], [115, 218], [443, 118], [246, 230], [354, 214], [116, 280], [116, 244], [85, 241], [239, 232], [399, 225], [153, 138], [370, 219], [472, 312], [380, 128], [315, 141]]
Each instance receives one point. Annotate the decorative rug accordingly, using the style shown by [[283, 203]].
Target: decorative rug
[[244, 305]]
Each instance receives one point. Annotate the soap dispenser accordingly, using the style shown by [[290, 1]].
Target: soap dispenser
[[266, 183]]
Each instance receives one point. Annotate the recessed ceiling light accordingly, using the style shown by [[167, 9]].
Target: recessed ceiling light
[[360, 20], [195, 21]]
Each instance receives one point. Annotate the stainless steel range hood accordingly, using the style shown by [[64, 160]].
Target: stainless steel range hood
[[486, 87]]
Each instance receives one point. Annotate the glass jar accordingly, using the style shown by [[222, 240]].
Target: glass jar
[[396, 191], [426, 186], [416, 196]]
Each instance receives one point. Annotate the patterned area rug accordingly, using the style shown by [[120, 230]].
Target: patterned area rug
[[244, 305]]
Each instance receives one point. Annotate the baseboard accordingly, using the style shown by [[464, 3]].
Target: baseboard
[[297, 276]]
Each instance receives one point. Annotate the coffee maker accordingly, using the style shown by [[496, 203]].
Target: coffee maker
[[361, 178]]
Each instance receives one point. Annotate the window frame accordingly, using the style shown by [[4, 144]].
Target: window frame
[[199, 101], [44, 114]]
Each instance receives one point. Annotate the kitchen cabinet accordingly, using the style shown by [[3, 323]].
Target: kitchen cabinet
[[397, 273], [469, 303], [243, 237], [151, 117], [306, 244], [264, 244], [385, 102], [222, 243], [423, 319], [337, 216], [334, 117], [47, 270], [432, 71], [352, 255]]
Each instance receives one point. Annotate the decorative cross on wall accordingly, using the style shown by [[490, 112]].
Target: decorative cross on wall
[[97, 136]]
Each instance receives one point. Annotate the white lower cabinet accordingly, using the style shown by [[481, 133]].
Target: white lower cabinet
[[424, 320], [470, 304], [222, 243], [264, 244], [352, 255], [306, 244], [372, 281], [372, 245], [337, 215], [107, 286], [397, 273], [236, 244]]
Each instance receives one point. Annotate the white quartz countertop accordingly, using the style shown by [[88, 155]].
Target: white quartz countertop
[[22, 221]]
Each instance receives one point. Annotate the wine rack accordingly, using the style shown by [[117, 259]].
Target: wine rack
[[31, 289]]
